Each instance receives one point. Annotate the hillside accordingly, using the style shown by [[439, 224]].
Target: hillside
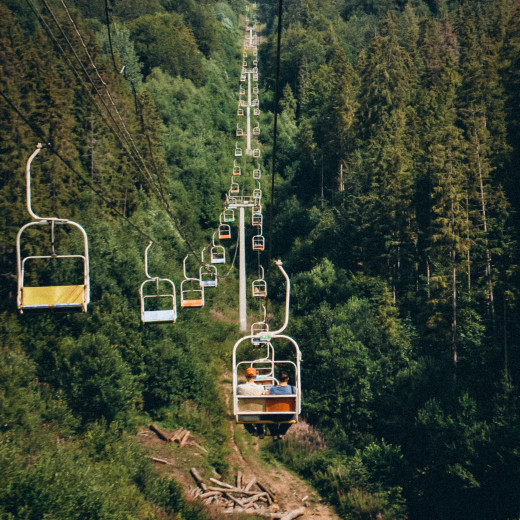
[[178, 148]]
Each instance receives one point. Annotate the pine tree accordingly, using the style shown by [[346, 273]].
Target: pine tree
[[384, 141]]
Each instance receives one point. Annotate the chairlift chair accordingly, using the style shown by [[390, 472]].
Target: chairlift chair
[[257, 173], [51, 297], [192, 294], [259, 330], [235, 188], [224, 231], [242, 91], [164, 292], [228, 215], [256, 219], [257, 194], [256, 130], [208, 276], [256, 111], [255, 76], [217, 252], [238, 151], [256, 153], [255, 90], [268, 409], [240, 112], [259, 287], [236, 168], [239, 132], [258, 243]]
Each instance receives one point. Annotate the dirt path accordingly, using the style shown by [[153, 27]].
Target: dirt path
[[244, 456]]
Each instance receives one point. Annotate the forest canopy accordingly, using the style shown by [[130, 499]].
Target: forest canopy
[[395, 208]]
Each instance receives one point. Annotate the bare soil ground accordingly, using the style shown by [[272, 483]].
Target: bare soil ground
[[244, 456]]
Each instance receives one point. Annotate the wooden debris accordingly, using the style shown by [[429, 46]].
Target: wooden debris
[[198, 479], [160, 461], [160, 433], [180, 436], [242, 497], [184, 438], [294, 514]]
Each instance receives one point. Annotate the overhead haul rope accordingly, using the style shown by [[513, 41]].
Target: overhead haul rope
[[158, 190], [275, 130], [39, 133], [122, 138], [107, 9]]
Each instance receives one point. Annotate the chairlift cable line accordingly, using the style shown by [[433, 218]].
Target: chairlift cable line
[[103, 82], [76, 73], [105, 85], [275, 129], [158, 192], [110, 35], [38, 132], [130, 142]]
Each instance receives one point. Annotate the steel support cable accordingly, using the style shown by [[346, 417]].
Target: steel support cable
[[275, 129], [160, 195], [39, 133], [158, 190], [107, 90], [76, 73], [110, 35], [126, 133]]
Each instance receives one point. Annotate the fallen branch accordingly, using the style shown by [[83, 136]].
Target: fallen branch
[[184, 438], [161, 461], [199, 480], [294, 514], [165, 436]]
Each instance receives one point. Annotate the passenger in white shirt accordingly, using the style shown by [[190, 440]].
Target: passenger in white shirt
[[251, 388]]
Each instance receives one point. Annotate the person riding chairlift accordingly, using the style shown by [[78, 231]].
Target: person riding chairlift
[[251, 388], [279, 429]]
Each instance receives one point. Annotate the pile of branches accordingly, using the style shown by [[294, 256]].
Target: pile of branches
[[243, 497]]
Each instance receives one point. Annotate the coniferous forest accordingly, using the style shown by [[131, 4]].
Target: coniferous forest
[[391, 193]]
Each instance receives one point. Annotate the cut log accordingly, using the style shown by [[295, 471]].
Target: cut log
[[200, 447], [184, 438], [231, 497], [294, 514], [175, 435], [251, 484], [210, 494], [165, 436], [199, 481], [160, 461], [220, 483], [232, 489], [270, 494]]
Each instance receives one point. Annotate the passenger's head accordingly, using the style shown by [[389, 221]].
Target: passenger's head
[[284, 377], [250, 373]]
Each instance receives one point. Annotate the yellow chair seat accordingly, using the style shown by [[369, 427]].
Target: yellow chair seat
[[52, 296]]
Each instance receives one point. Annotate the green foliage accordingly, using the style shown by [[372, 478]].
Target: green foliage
[[162, 40], [100, 476]]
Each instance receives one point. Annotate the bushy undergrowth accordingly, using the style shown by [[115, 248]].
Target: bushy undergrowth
[[353, 483]]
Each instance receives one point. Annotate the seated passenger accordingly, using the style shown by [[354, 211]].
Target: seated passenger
[[278, 430], [251, 388]]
